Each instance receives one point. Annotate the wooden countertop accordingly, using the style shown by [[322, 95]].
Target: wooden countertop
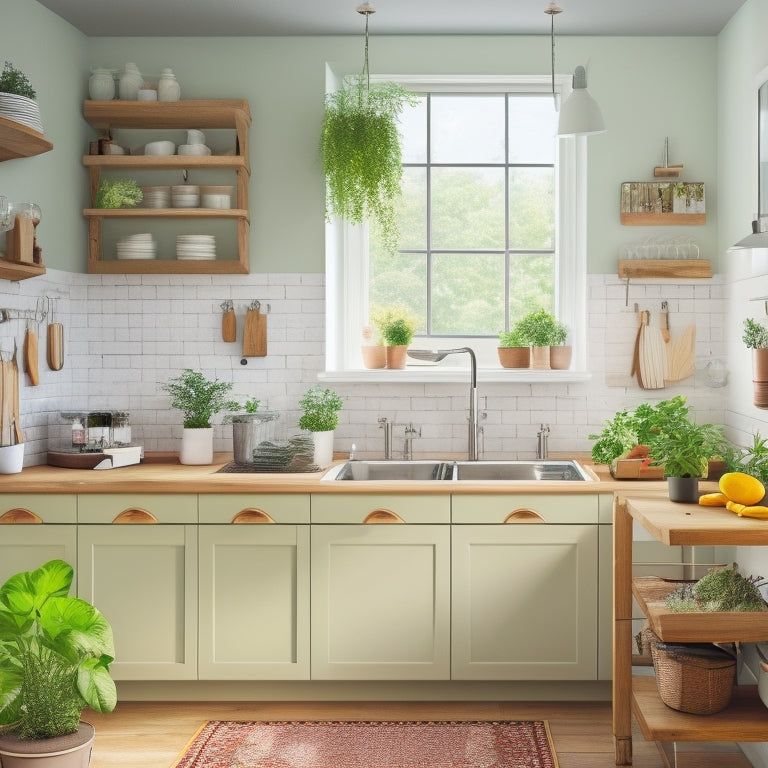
[[164, 474]]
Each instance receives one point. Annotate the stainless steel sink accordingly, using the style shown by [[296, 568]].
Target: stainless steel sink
[[392, 470], [460, 470], [548, 470]]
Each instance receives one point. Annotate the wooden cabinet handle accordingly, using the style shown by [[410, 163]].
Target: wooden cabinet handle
[[383, 516], [20, 515], [252, 515], [134, 516], [524, 515]]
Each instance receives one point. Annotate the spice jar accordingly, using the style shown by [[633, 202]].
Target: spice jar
[[168, 88]]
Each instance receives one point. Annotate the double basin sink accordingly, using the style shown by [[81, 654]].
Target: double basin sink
[[419, 470]]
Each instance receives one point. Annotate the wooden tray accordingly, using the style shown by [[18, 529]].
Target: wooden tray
[[74, 460], [721, 627]]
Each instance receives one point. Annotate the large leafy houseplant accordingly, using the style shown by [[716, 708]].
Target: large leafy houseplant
[[360, 148], [55, 652], [199, 398]]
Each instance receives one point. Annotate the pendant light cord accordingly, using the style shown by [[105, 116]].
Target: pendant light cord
[[366, 9], [552, 10]]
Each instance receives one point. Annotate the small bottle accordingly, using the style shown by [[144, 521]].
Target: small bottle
[[168, 88], [78, 432]]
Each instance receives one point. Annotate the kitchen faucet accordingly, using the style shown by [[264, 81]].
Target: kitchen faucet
[[436, 355]]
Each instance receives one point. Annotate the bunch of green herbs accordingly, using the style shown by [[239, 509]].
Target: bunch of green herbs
[[724, 589], [321, 408], [14, 81], [120, 193]]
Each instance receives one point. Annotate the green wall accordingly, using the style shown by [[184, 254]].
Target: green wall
[[648, 88]]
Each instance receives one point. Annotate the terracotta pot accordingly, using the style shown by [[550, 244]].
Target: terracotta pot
[[760, 396], [760, 364], [540, 358], [514, 357], [560, 357], [374, 356], [396, 356], [71, 751], [683, 489]]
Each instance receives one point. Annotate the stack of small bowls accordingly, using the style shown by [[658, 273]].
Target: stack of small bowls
[[195, 145], [156, 197], [185, 196], [216, 197], [196, 247]]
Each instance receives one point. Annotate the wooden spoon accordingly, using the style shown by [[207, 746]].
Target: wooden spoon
[[30, 357]]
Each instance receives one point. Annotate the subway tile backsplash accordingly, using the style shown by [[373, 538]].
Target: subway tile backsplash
[[127, 334]]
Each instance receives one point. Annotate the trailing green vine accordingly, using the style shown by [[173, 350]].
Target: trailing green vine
[[360, 148]]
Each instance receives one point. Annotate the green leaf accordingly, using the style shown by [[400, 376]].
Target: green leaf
[[96, 686]]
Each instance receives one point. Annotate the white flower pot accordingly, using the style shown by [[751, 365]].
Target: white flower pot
[[11, 459], [196, 446], [323, 448], [71, 751]]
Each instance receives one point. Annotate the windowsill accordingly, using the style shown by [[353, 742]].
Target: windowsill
[[444, 374]]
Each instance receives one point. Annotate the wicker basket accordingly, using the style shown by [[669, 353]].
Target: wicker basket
[[693, 678]]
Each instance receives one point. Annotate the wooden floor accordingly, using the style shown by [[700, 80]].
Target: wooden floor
[[151, 735]]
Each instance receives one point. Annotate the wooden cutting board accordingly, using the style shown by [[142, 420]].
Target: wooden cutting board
[[255, 334]]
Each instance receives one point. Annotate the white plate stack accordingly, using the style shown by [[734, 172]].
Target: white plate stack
[[196, 247], [22, 110], [156, 197], [141, 246], [185, 196]]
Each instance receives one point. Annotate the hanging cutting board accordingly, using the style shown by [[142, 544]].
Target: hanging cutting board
[[30, 357], [255, 334], [682, 355]]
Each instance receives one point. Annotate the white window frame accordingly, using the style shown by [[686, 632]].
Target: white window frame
[[346, 258]]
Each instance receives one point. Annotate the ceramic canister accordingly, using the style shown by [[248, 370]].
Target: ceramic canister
[[130, 82], [168, 88], [101, 85]]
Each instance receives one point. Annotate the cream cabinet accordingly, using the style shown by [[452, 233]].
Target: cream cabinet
[[254, 587], [36, 528], [380, 587], [137, 562], [524, 587]]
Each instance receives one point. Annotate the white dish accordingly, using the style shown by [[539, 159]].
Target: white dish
[[195, 136], [159, 148], [215, 201], [194, 149]]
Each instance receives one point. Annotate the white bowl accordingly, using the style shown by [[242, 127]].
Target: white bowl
[[215, 201], [11, 459], [195, 137], [194, 149], [159, 148]]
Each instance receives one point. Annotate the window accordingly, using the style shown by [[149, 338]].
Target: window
[[491, 225]]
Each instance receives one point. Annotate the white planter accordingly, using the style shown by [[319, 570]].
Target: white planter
[[11, 459], [323, 448], [72, 751], [197, 446]]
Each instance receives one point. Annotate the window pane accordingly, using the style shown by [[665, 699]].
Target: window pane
[[531, 208], [467, 294], [532, 129], [412, 210], [531, 284], [467, 129], [467, 208], [399, 279], [413, 133]]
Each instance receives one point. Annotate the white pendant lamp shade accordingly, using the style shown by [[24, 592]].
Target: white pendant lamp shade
[[580, 114], [758, 238]]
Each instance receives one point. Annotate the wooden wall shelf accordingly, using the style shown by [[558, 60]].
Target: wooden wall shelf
[[647, 268], [662, 219], [17, 140], [16, 270]]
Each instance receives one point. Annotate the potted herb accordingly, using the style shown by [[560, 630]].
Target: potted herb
[[360, 148], [120, 193], [320, 416], [514, 350], [755, 337], [199, 399], [752, 460], [684, 450], [541, 330], [397, 325], [55, 652], [373, 350]]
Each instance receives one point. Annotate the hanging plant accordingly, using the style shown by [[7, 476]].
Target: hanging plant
[[360, 148]]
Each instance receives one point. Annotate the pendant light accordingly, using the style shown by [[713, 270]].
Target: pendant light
[[580, 114], [758, 238]]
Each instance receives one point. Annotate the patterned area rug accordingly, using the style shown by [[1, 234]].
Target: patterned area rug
[[440, 744]]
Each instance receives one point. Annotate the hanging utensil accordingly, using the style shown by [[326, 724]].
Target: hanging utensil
[[682, 363], [228, 321], [653, 355], [18, 435], [55, 345], [636, 371], [664, 321], [255, 332], [30, 356]]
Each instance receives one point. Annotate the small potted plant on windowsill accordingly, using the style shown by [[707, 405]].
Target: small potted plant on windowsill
[[55, 652], [199, 399], [373, 350], [514, 350], [541, 330], [755, 337], [397, 325], [320, 416]]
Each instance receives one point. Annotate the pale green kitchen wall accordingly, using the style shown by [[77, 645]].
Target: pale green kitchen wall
[[649, 88]]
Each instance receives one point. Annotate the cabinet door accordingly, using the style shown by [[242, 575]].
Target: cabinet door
[[25, 547], [380, 602], [254, 602], [524, 602], [143, 578]]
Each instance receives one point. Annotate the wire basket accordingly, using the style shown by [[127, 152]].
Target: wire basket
[[696, 678]]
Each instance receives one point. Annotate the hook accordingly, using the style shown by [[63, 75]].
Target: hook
[[185, 175]]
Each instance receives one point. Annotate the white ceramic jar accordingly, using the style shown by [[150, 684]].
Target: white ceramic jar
[[168, 88], [101, 84], [130, 82]]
